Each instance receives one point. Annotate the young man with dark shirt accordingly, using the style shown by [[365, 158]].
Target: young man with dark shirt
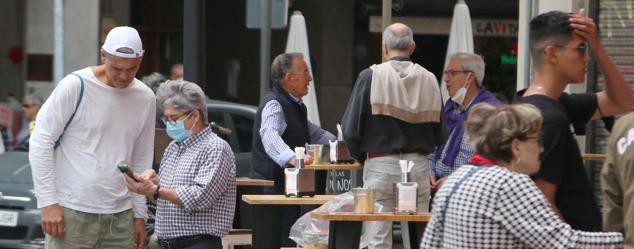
[[558, 43]]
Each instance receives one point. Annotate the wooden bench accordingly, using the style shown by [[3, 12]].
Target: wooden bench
[[237, 237]]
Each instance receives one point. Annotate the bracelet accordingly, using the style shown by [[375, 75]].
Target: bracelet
[[157, 192]]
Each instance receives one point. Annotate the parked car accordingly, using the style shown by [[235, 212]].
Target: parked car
[[19, 216]]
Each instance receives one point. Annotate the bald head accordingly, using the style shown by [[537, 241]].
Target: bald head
[[398, 37]]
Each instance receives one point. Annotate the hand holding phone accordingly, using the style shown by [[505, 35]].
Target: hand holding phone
[[124, 168]]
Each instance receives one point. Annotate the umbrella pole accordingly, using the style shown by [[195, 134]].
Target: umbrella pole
[[387, 13], [265, 45]]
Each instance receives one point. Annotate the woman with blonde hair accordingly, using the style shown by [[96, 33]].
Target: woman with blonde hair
[[492, 202]]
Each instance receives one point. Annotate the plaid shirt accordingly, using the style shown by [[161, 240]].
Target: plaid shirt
[[497, 208], [202, 171], [438, 169]]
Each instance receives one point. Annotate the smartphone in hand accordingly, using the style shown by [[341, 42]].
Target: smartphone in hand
[[124, 168]]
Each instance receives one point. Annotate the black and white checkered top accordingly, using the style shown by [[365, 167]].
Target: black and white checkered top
[[494, 207], [202, 171]]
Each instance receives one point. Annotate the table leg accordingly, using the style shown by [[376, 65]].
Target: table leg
[[266, 226], [344, 234], [416, 230]]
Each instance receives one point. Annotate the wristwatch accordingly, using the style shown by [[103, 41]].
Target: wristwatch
[[157, 192]]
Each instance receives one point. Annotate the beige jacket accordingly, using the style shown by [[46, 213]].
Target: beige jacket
[[617, 181]]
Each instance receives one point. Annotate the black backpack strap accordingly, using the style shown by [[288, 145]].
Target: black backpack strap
[[81, 96]]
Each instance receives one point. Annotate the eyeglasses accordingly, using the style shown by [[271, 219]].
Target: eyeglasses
[[27, 105], [537, 138], [305, 73], [582, 49], [166, 120], [452, 73]]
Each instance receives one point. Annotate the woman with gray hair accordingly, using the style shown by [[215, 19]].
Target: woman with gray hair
[[492, 202], [195, 188]]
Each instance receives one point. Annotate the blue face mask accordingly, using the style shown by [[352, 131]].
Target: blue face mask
[[177, 131]]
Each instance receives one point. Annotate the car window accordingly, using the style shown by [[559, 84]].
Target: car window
[[217, 117], [244, 130]]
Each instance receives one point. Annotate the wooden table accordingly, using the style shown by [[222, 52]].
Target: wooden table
[[243, 212], [593, 157], [345, 228], [245, 181], [268, 208], [330, 166]]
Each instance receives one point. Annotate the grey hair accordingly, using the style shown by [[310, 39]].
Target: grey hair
[[183, 95], [32, 99], [399, 37], [281, 65], [154, 80], [472, 63], [492, 129]]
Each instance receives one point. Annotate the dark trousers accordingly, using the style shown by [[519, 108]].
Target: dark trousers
[[207, 243]]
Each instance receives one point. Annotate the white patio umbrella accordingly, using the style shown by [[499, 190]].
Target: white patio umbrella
[[460, 38], [297, 42]]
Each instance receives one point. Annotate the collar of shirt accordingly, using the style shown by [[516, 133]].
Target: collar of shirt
[[296, 99], [400, 58], [195, 138]]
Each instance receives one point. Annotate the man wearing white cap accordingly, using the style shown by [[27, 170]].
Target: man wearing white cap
[[96, 118]]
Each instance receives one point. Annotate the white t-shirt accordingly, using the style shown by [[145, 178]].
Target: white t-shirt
[[111, 126]]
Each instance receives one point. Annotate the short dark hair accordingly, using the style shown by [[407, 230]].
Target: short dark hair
[[552, 25], [281, 65]]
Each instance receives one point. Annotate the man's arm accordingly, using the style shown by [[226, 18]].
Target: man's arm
[[549, 190], [319, 135], [143, 156], [352, 121], [272, 126], [616, 98], [50, 121]]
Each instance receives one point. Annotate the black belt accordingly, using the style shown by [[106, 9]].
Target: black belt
[[186, 241]]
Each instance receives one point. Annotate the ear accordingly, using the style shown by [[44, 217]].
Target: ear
[[515, 147], [550, 55], [287, 78], [412, 48], [102, 55]]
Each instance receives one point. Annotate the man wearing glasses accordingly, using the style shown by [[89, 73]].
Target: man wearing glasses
[[281, 125], [106, 117], [558, 43], [464, 75]]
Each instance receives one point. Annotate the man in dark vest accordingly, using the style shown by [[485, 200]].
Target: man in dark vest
[[281, 125]]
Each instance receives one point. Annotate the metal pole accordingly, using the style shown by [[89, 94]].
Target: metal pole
[[265, 45], [524, 57], [387, 14], [191, 41], [58, 63]]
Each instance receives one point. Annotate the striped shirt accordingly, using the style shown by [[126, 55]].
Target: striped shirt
[[273, 126], [202, 171]]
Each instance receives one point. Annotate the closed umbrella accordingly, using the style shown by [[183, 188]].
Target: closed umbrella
[[460, 38], [297, 42]]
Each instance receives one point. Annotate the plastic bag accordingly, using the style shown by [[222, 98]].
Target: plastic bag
[[312, 233]]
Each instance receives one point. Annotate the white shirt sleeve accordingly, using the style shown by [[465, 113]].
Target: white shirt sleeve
[[49, 125], [143, 156]]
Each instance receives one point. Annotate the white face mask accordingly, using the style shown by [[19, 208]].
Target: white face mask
[[461, 93]]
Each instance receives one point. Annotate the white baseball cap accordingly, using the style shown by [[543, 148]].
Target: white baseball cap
[[123, 42]]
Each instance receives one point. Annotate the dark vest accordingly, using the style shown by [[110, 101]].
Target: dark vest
[[296, 134]]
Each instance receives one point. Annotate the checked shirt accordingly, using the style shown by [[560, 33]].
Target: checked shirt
[[202, 171], [498, 208]]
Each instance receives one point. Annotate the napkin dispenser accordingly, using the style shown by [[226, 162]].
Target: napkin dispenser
[[339, 152], [405, 192], [299, 181]]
